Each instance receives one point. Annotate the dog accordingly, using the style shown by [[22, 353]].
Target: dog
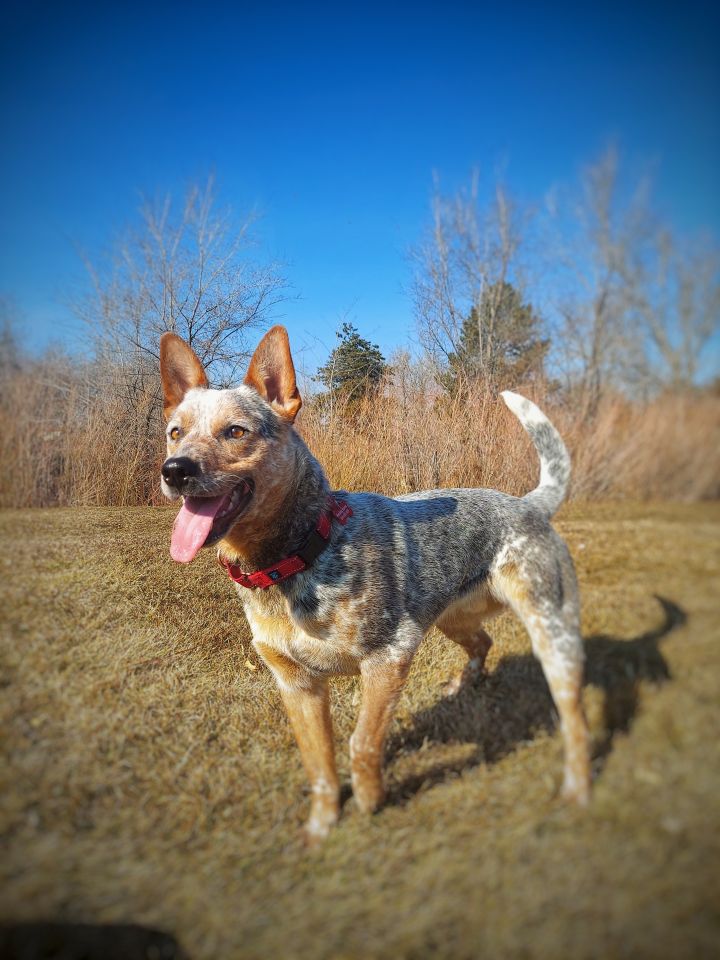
[[350, 583]]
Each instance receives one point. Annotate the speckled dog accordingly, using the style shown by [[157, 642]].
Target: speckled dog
[[351, 583]]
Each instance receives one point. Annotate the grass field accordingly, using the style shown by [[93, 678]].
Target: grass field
[[150, 776]]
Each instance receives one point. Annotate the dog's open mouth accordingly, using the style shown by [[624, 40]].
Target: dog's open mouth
[[203, 521]]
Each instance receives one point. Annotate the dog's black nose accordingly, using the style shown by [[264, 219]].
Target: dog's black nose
[[176, 471]]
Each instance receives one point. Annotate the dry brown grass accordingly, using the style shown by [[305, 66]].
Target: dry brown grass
[[150, 775], [92, 437], [72, 435], [668, 448]]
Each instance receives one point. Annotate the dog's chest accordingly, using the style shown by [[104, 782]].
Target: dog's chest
[[328, 645]]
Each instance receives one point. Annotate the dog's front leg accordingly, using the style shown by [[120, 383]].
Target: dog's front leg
[[382, 682], [307, 703]]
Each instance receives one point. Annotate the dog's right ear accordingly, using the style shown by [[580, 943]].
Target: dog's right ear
[[180, 371]]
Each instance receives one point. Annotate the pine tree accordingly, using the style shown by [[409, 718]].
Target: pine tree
[[354, 368], [499, 341]]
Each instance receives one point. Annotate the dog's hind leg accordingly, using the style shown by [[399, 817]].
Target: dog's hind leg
[[383, 679], [463, 627], [553, 625], [564, 674]]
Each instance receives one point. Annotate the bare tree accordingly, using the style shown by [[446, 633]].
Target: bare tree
[[637, 308], [676, 293], [598, 339], [188, 270], [9, 345], [465, 262]]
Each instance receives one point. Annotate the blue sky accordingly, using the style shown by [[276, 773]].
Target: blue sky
[[331, 120]]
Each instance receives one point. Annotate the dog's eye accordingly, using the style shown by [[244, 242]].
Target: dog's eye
[[175, 433], [235, 432]]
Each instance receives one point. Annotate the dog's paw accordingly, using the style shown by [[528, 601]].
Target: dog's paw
[[324, 814], [315, 831], [452, 687], [576, 790], [472, 670], [369, 796], [314, 834]]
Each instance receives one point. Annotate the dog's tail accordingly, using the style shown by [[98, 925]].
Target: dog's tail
[[554, 458]]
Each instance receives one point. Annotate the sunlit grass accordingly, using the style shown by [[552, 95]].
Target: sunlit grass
[[150, 775]]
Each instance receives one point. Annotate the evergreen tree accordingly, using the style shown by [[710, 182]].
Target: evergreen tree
[[499, 341], [354, 368]]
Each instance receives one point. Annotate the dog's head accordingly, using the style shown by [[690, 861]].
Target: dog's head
[[228, 450]]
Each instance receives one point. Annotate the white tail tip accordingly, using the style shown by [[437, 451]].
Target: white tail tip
[[514, 401], [524, 409]]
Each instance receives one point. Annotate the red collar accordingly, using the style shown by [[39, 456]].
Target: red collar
[[313, 546]]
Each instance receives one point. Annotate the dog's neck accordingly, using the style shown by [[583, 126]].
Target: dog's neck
[[292, 505]]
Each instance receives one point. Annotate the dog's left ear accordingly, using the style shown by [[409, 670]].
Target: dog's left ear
[[180, 371], [272, 374]]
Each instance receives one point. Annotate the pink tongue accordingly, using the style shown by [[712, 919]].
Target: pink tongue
[[192, 526]]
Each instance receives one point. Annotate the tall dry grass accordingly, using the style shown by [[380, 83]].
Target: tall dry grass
[[72, 436], [89, 436], [668, 448]]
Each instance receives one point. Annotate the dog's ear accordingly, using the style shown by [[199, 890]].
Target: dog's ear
[[180, 371], [272, 374]]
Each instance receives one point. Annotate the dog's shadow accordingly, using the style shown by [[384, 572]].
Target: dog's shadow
[[499, 712]]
